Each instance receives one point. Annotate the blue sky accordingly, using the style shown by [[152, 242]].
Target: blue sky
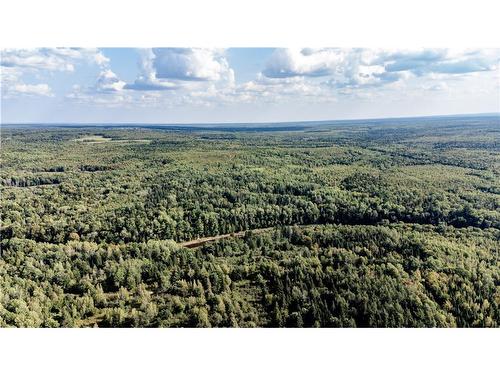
[[185, 85]]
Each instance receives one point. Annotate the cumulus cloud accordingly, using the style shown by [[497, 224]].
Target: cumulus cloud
[[183, 76], [13, 86], [285, 63], [15, 63], [52, 59], [442, 61], [268, 90], [107, 96], [147, 79], [149, 83], [108, 90], [22, 89], [108, 82], [202, 77], [38, 89], [174, 68], [310, 75], [190, 64], [365, 68], [343, 67]]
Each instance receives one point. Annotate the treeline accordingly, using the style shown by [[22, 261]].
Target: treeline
[[27, 181]]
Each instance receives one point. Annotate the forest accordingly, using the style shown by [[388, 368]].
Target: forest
[[373, 223]]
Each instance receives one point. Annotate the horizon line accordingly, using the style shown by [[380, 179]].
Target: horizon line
[[254, 122]]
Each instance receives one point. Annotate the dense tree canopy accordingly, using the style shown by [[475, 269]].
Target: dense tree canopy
[[350, 225]]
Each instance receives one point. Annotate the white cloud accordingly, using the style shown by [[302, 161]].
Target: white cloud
[[148, 83], [108, 82], [39, 89], [105, 99], [175, 68], [170, 77], [292, 86], [147, 79], [200, 78], [13, 86], [15, 63], [190, 64], [108, 90], [35, 59], [305, 75], [52, 59], [261, 90], [343, 68], [427, 61], [285, 63], [9, 75], [364, 68]]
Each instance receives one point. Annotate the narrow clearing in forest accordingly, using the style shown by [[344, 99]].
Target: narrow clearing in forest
[[200, 241]]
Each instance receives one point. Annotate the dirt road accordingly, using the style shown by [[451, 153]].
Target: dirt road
[[201, 241]]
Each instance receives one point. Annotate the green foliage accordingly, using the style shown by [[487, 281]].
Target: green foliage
[[368, 225]]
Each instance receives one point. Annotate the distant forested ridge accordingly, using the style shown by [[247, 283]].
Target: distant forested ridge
[[376, 224]]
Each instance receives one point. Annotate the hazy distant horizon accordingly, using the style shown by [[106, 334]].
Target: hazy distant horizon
[[121, 123]]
